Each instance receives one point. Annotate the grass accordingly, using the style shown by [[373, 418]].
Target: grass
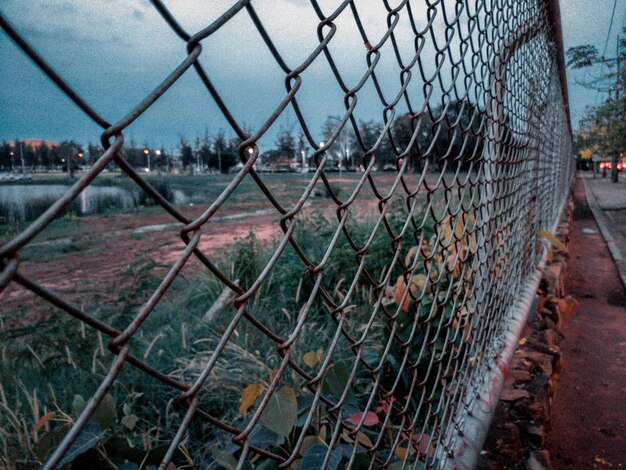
[[50, 366], [59, 350]]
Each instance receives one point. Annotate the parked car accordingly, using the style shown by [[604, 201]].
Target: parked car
[[607, 166]]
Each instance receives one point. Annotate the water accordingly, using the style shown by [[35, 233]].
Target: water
[[26, 202]]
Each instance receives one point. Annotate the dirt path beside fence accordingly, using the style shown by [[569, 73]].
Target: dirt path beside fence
[[589, 408]]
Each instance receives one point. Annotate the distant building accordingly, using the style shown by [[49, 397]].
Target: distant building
[[35, 143]]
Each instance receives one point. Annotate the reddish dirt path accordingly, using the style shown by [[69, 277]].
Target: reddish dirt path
[[589, 409]]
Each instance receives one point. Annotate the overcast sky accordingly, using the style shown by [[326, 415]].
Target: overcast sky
[[114, 52]]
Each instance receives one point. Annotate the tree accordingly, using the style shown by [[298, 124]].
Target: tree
[[70, 154], [454, 128], [94, 152], [204, 151], [186, 155], [134, 155], [369, 133], [604, 126], [403, 130], [301, 149], [43, 157], [342, 148], [285, 150], [6, 159]]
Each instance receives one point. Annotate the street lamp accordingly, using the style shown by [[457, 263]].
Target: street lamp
[[147, 154]]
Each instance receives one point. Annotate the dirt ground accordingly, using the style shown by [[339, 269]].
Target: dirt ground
[[589, 409], [91, 260]]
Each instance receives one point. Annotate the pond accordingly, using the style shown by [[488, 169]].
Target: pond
[[27, 202]]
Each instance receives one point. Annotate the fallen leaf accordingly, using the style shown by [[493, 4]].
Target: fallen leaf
[[558, 244], [308, 442], [362, 438], [401, 452], [43, 420], [310, 359], [249, 396], [409, 256], [568, 305], [603, 461]]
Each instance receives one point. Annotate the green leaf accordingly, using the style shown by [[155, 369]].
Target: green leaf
[[419, 465], [105, 413], [78, 405], [89, 437], [281, 412], [224, 459], [118, 451], [50, 440], [314, 458], [308, 442], [130, 421], [261, 437], [336, 378]]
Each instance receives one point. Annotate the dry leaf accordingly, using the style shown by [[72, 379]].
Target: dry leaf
[[558, 244], [409, 256], [43, 420], [310, 359], [364, 440], [308, 442], [249, 396], [401, 452], [568, 305]]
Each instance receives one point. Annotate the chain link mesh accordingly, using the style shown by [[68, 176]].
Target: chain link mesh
[[409, 328]]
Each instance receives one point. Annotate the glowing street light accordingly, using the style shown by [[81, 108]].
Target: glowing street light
[[147, 154]]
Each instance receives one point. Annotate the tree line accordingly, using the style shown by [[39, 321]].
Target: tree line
[[446, 136]]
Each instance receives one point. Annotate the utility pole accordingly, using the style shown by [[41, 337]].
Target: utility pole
[[609, 116], [22, 157], [620, 113]]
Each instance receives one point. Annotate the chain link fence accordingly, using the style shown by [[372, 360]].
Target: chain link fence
[[400, 313]]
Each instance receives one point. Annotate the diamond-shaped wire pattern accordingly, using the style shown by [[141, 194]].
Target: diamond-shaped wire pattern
[[409, 328]]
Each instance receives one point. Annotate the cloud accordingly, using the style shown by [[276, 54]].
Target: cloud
[[116, 51], [138, 15]]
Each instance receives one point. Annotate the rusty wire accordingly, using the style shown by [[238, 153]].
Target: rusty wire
[[494, 85]]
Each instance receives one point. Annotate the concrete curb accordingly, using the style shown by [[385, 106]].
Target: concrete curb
[[615, 241]]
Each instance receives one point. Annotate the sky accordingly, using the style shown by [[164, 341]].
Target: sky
[[114, 52]]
